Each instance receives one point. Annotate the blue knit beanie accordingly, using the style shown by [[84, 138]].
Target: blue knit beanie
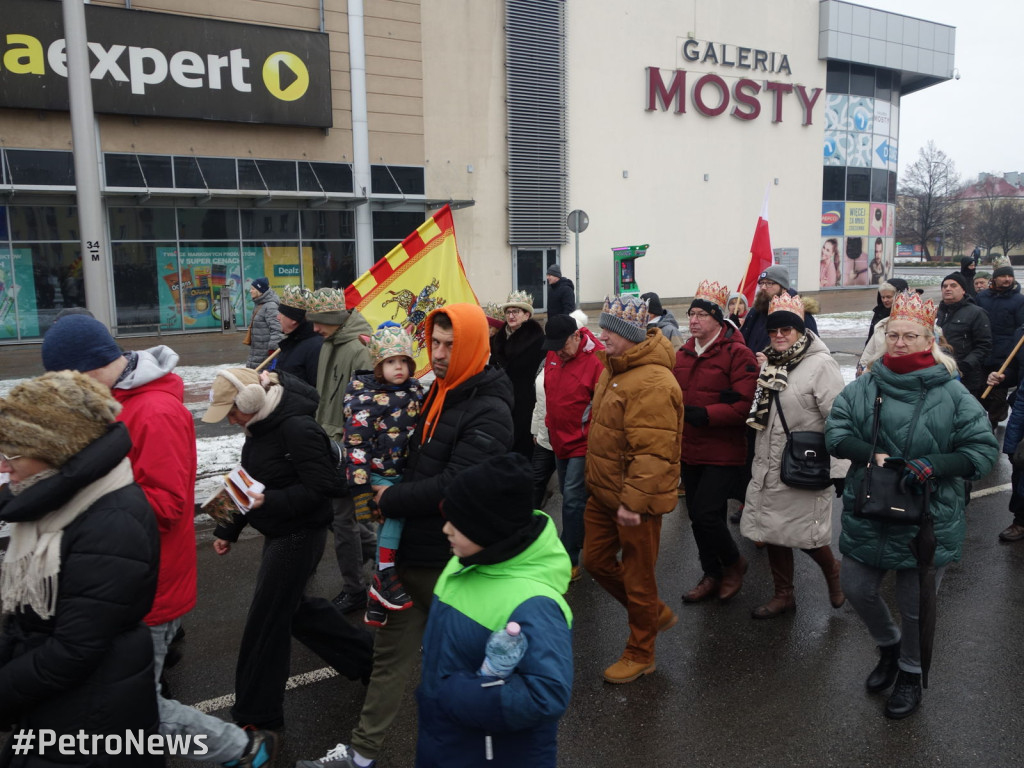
[[78, 343], [261, 284]]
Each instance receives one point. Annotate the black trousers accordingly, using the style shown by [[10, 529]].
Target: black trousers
[[543, 466], [279, 611], [707, 501]]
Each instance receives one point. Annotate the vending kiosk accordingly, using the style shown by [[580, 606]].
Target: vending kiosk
[[625, 268]]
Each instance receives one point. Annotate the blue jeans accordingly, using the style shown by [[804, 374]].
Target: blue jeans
[[574, 501], [225, 741]]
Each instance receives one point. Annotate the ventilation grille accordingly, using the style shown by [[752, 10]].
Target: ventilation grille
[[535, 49]]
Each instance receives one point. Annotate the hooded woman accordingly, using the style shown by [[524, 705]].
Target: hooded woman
[[74, 653]]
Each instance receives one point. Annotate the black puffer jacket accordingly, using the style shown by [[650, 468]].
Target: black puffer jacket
[[561, 297], [476, 423], [520, 355], [755, 326], [300, 353], [290, 454], [965, 326], [90, 666]]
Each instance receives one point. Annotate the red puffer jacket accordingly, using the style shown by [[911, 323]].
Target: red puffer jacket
[[568, 390], [163, 458], [722, 380]]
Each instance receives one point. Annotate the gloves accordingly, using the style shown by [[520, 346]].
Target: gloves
[[729, 396], [918, 471], [695, 415], [840, 484]]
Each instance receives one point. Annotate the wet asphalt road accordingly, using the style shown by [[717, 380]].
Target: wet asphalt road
[[729, 691]]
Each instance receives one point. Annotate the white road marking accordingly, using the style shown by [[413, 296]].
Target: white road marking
[[295, 681]]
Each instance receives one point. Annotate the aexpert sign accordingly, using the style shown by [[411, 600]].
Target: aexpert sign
[[163, 65]]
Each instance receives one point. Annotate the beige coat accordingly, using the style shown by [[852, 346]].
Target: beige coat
[[774, 512]]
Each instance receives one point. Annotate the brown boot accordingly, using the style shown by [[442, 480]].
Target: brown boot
[[732, 579], [830, 567], [706, 588], [781, 561]]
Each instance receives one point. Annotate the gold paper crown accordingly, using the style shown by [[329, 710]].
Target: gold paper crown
[[908, 306], [1001, 261], [713, 292], [493, 309], [520, 299], [786, 303], [296, 297], [326, 300]]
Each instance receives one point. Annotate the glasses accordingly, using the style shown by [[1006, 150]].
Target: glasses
[[765, 283], [513, 311], [9, 459], [784, 331], [908, 338], [693, 313]]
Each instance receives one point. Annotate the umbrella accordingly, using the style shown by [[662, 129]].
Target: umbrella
[[923, 547]]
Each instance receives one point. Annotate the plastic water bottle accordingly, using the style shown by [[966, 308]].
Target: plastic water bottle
[[505, 649]]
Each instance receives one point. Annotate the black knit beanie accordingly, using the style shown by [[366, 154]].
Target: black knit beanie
[[958, 277], [493, 500]]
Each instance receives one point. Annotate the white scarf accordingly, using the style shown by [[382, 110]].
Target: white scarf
[[32, 564], [273, 399]]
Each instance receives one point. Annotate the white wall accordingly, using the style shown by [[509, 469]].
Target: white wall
[[696, 229]]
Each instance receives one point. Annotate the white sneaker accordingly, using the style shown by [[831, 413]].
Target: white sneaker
[[341, 756]]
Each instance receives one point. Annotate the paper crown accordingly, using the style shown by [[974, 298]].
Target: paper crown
[[629, 309], [520, 299], [1001, 261], [908, 306], [326, 300], [786, 303], [296, 297], [493, 309], [713, 292], [389, 340]]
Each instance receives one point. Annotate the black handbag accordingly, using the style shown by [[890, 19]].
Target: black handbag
[[805, 462], [884, 494]]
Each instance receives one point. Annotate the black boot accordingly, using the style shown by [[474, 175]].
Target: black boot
[[884, 674], [905, 697]]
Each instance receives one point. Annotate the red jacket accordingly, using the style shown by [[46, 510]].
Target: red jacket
[[722, 380], [163, 457], [568, 390]]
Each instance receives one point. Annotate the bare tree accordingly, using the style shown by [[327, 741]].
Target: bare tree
[[1009, 220], [986, 225], [927, 202]]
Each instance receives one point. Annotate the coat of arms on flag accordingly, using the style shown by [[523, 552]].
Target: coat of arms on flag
[[418, 276]]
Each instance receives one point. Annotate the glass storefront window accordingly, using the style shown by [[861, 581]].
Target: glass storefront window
[[192, 280], [208, 223], [137, 269], [44, 222], [49, 280], [334, 263], [141, 223], [531, 264], [327, 225], [270, 224]]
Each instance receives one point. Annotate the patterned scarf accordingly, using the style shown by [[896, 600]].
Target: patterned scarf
[[775, 377]]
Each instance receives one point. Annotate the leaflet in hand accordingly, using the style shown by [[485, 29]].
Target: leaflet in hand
[[235, 495]]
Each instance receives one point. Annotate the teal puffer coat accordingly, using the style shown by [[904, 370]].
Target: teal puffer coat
[[926, 413]]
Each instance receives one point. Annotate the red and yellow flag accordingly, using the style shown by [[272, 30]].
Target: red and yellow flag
[[420, 275]]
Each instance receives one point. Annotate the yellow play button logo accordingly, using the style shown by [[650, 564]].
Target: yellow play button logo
[[285, 76]]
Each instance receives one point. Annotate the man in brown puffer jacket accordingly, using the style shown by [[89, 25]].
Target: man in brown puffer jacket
[[632, 470]]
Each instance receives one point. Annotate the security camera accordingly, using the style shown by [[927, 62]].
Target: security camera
[[956, 76]]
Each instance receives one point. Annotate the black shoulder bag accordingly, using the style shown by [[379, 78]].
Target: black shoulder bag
[[883, 494], [805, 462]]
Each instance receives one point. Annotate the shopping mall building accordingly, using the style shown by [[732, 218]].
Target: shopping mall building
[[303, 139]]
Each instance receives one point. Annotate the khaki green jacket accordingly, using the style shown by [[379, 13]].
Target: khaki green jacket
[[341, 355]]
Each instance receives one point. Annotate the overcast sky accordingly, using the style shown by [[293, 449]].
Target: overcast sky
[[976, 120]]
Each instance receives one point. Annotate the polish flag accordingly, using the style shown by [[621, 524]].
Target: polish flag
[[760, 253]]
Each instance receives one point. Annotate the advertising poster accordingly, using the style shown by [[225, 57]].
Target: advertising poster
[[882, 126], [836, 111], [855, 262], [280, 265], [858, 150], [191, 282], [830, 264], [17, 294], [861, 114], [878, 219], [833, 220], [834, 149], [857, 218], [890, 220], [879, 265]]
